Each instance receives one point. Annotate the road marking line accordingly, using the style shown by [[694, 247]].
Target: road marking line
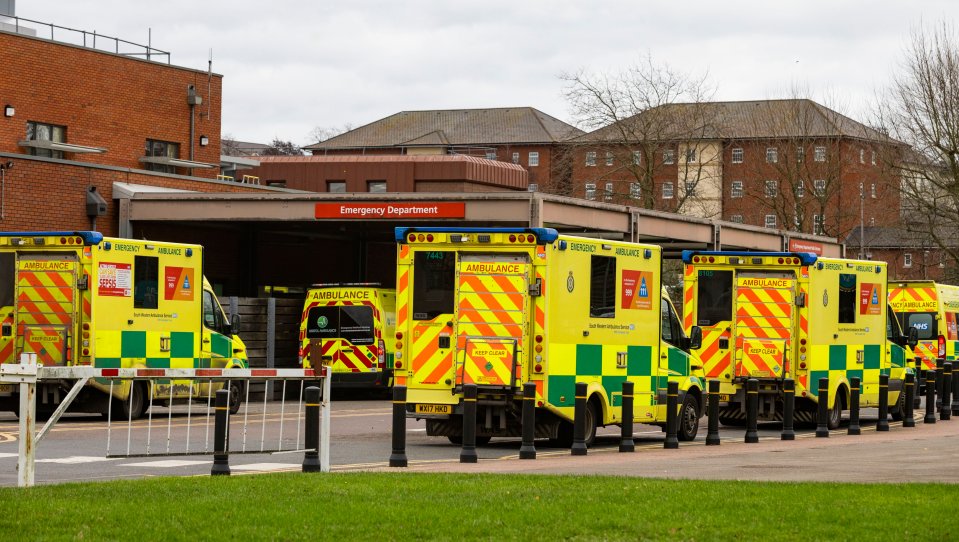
[[76, 460], [167, 463], [4, 455]]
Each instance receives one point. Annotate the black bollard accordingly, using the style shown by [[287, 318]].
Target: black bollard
[[626, 443], [311, 458], [221, 449], [712, 427], [945, 412], [939, 365], [854, 390], [468, 455], [930, 416], [398, 457], [528, 450], [752, 411], [955, 389], [920, 382], [789, 409], [883, 423], [579, 421], [908, 417], [822, 429], [672, 399]]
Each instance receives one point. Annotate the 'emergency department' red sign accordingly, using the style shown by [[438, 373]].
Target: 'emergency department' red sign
[[391, 210]]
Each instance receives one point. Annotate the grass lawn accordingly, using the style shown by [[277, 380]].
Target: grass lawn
[[410, 506]]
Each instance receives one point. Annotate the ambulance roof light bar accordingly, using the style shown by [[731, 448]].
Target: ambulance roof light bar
[[806, 258], [89, 237], [543, 235], [347, 284]]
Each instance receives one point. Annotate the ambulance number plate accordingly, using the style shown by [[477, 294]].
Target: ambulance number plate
[[724, 397], [434, 409]]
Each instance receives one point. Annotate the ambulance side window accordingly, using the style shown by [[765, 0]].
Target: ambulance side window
[[434, 275], [602, 287], [714, 291], [146, 282], [847, 298], [212, 317], [672, 330], [8, 281]]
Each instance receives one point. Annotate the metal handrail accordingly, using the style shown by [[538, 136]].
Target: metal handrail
[[148, 50]]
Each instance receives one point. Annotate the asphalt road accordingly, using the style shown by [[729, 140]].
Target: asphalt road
[[85, 447]]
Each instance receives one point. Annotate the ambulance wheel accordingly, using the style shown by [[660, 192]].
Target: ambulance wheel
[[236, 395], [565, 437], [835, 414], [688, 419], [899, 410], [134, 406]]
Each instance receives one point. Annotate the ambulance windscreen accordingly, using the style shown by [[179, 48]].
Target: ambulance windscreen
[[715, 297], [434, 278], [353, 323]]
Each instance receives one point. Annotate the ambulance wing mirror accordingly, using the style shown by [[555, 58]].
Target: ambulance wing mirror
[[695, 338], [913, 337], [801, 299], [234, 324]]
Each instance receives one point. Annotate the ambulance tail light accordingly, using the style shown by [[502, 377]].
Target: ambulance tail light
[[381, 353], [712, 259], [412, 238], [942, 346], [538, 368], [512, 238], [399, 335], [429, 237], [781, 261]]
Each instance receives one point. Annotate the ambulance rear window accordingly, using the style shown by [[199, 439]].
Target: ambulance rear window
[[146, 282], [924, 322], [353, 323], [714, 291], [8, 280], [847, 298], [434, 276], [602, 287]]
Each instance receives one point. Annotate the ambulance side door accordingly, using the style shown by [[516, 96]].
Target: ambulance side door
[[216, 346], [673, 358]]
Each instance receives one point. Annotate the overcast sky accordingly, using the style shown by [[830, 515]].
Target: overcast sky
[[290, 66]]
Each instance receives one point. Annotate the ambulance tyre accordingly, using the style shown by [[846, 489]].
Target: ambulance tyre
[[688, 419], [565, 437], [236, 395], [835, 414], [133, 407], [897, 411]]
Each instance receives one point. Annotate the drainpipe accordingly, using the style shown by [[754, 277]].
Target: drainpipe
[[193, 100]]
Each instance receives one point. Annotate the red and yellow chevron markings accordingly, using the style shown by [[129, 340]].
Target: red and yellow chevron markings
[[764, 312], [45, 309]]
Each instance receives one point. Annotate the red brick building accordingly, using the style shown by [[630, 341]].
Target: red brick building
[[521, 135], [75, 118], [910, 254]]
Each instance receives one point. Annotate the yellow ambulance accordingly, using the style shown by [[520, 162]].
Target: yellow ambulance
[[500, 307], [77, 298], [346, 326], [776, 315], [932, 309]]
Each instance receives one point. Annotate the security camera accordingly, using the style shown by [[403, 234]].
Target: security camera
[[8, 165]]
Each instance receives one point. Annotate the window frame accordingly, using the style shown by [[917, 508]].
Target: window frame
[[771, 189], [52, 130], [771, 224], [801, 189], [590, 158], [589, 191], [819, 187], [635, 190], [610, 159], [532, 159], [167, 146], [736, 189], [331, 183], [772, 155], [819, 153], [377, 182], [515, 157], [637, 158], [738, 219], [740, 152], [907, 259], [672, 192], [819, 224], [669, 156]]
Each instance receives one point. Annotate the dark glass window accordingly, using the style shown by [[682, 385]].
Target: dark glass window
[[714, 292], [39, 131], [602, 287], [847, 298], [434, 275], [146, 282], [166, 149], [924, 322], [8, 279], [353, 323]]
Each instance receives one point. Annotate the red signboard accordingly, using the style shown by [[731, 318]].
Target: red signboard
[[871, 298], [366, 211], [799, 245], [179, 284]]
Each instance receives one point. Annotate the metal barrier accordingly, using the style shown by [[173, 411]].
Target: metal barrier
[[28, 373]]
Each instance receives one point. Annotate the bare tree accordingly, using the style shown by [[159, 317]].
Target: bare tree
[[920, 107], [229, 146], [322, 133], [644, 121], [278, 147]]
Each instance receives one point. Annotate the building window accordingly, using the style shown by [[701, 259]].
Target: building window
[[591, 191], [166, 149], [736, 218], [690, 189], [515, 157], [38, 131], [772, 155], [872, 190], [669, 156], [491, 155], [338, 187], [868, 255], [800, 154], [608, 196], [738, 155], [635, 190], [736, 189], [637, 158], [819, 224], [873, 157], [690, 156], [532, 187], [801, 189], [609, 158], [591, 158], [668, 190], [862, 156], [907, 260], [533, 159], [819, 187], [770, 221], [872, 221], [772, 189], [820, 154], [376, 187]]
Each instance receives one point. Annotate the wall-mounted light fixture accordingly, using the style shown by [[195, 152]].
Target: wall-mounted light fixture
[[204, 141], [8, 110]]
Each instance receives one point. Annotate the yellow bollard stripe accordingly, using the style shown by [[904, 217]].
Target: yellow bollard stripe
[[529, 398], [470, 399], [627, 396], [313, 404], [752, 392], [399, 402], [672, 395], [221, 408], [855, 389], [580, 397]]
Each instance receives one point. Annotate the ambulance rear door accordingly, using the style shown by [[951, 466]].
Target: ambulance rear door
[[763, 323]]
